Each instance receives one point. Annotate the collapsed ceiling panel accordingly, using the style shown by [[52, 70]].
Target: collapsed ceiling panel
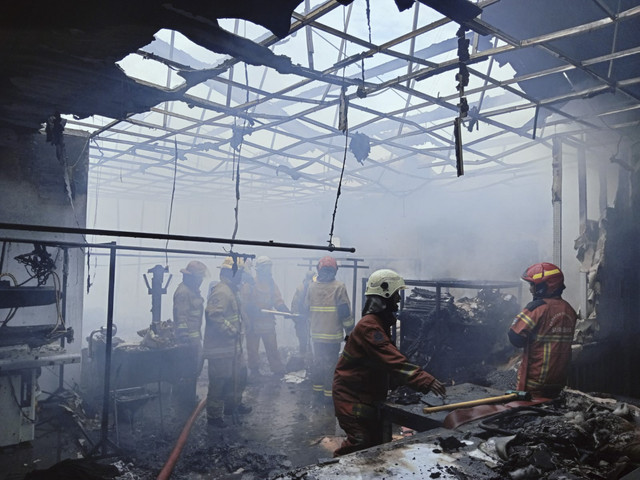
[[191, 87]]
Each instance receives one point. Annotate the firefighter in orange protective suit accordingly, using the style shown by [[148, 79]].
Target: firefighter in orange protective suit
[[330, 319], [545, 330], [370, 362]]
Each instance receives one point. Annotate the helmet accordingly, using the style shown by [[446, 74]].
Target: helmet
[[228, 263], [196, 268], [263, 261], [384, 283], [328, 261], [546, 278]]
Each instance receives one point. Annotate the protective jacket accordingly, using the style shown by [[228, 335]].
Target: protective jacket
[[262, 294], [368, 363], [224, 328], [545, 329], [329, 311], [188, 307]]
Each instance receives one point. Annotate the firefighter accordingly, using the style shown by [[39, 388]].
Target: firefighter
[[544, 329], [223, 346], [188, 309], [330, 320], [301, 322], [370, 362], [263, 294]]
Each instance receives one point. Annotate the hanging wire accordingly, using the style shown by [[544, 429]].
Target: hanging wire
[[369, 26], [236, 163], [335, 207], [173, 194]]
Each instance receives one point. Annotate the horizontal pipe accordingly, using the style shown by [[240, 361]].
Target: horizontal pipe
[[166, 236], [64, 243]]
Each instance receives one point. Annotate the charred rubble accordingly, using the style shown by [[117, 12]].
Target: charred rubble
[[462, 340], [576, 436]]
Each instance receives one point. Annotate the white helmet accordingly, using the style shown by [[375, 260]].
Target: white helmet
[[384, 283], [263, 261]]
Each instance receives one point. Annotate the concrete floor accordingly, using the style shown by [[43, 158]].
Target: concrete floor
[[287, 428]]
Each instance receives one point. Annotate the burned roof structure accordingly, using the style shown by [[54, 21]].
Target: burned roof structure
[[274, 86]]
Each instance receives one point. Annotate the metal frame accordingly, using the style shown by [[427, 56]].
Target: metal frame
[[413, 143]]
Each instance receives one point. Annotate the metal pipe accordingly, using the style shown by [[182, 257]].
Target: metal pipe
[[104, 440], [163, 236]]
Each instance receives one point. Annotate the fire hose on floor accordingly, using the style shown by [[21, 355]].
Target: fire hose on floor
[[165, 473]]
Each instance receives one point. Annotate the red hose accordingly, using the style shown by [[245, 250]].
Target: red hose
[[165, 473]]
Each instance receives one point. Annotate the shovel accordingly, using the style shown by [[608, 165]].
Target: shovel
[[508, 396]]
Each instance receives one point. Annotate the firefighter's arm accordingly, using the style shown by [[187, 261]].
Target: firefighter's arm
[[216, 313], [344, 310], [278, 301], [180, 313], [524, 324], [401, 370], [344, 314]]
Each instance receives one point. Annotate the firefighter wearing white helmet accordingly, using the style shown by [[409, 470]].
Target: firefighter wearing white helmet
[[188, 309], [368, 362], [384, 283], [259, 295]]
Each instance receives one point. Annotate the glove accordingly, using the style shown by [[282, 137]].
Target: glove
[[438, 388], [283, 308]]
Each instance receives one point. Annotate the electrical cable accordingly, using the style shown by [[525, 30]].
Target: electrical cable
[[335, 207], [173, 194], [236, 164], [12, 311]]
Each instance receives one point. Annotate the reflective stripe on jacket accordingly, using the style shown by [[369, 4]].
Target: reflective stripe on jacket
[[188, 309], [223, 329], [367, 364], [549, 327], [329, 311]]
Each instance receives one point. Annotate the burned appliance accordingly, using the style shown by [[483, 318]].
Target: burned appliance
[[25, 349]]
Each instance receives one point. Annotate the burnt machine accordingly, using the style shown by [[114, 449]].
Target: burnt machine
[[26, 349], [155, 360]]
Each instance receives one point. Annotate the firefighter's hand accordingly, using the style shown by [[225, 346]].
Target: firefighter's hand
[[438, 388], [283, 308]]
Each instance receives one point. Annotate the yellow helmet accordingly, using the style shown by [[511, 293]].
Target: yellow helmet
[[229, 261]]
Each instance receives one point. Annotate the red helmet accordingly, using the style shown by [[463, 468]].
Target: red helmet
[[547, 278], [328, 261]]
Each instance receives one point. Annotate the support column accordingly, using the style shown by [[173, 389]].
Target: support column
[[556, 200], [582, 210]]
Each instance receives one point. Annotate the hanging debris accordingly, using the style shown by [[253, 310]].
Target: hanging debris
[[360, 146], [343, 123]]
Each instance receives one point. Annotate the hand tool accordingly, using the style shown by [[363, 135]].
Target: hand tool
[[509, 395], [278, 312]]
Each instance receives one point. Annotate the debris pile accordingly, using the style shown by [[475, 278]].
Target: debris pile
[[578, 436], [458, 340]]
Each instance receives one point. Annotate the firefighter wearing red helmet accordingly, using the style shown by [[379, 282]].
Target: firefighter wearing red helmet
[[328, 309], [544, 329]]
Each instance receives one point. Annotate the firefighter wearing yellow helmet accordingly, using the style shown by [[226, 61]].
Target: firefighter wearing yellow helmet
[[223, 336]]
